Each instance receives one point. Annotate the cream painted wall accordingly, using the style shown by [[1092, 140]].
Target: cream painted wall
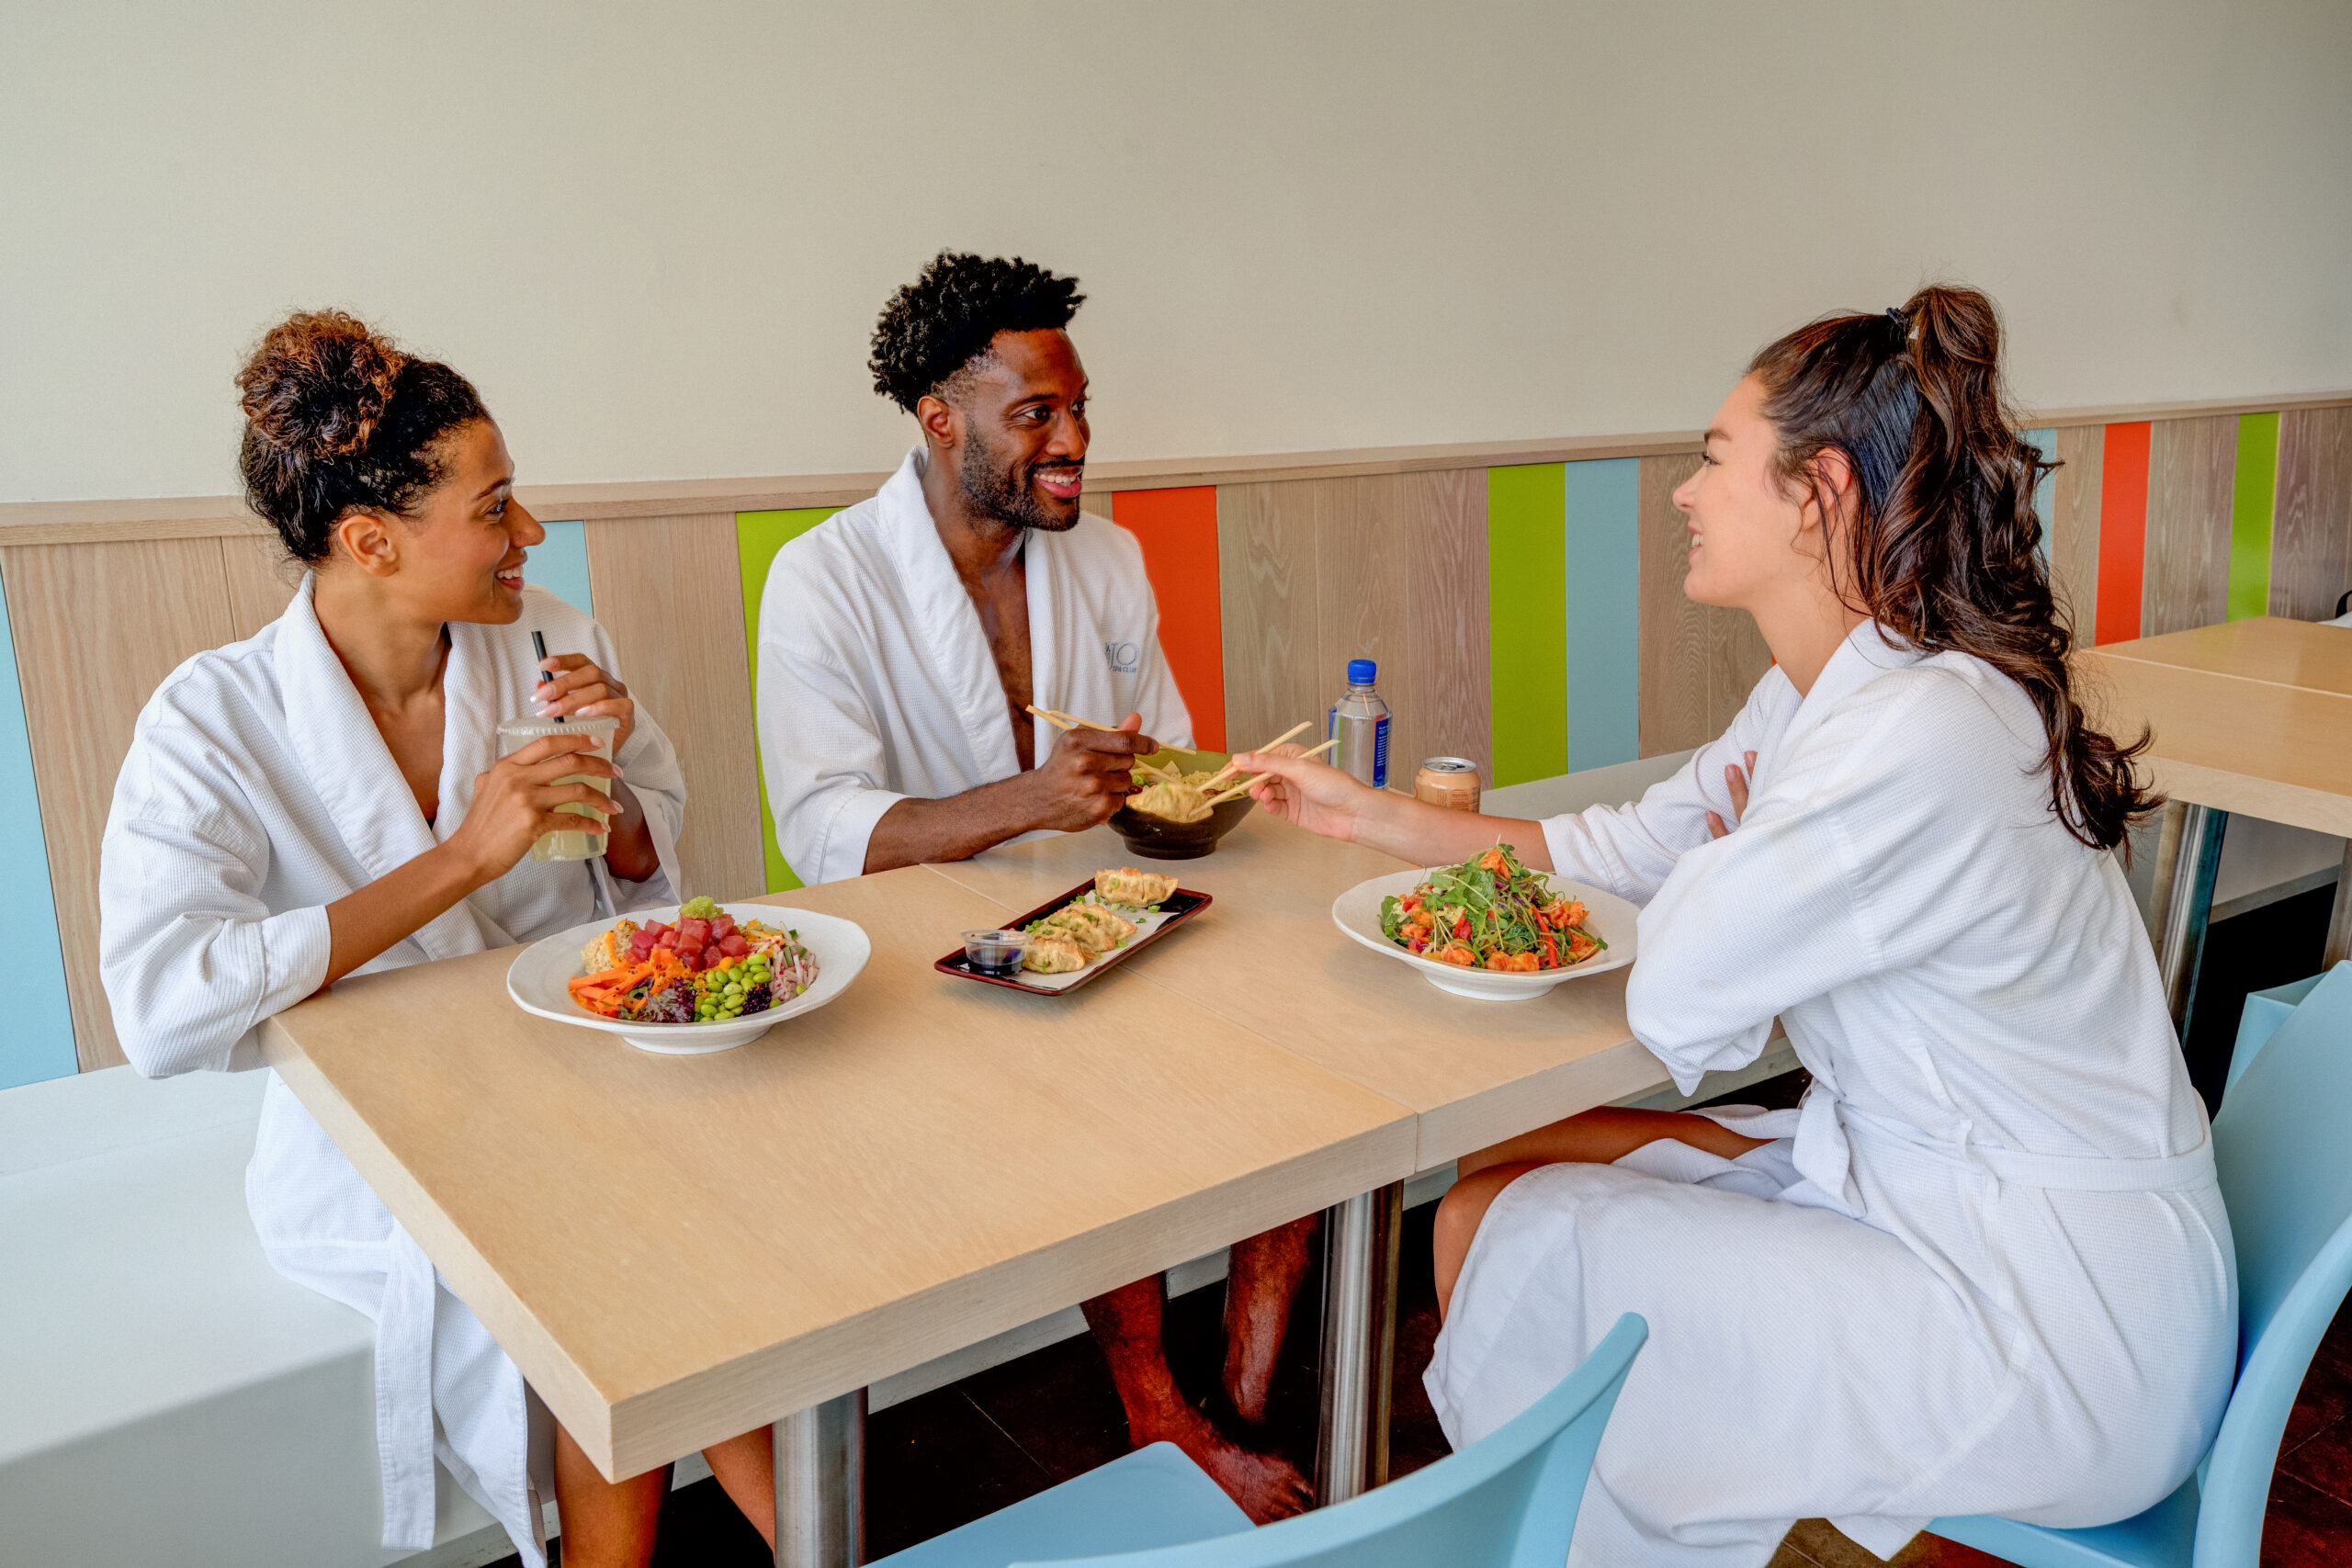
[[657, 236]]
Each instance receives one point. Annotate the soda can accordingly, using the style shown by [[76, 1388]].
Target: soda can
[[1450, 781]]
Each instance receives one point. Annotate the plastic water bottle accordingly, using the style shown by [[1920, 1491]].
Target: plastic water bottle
[[1359, 722]]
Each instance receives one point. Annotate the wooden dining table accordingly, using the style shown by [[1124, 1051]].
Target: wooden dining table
[[2250, 717], [677, 1250]]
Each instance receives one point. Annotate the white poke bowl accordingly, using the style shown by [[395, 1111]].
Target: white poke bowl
[[1357, 912], [540, 977]]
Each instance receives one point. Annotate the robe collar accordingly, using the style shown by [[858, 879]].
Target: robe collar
[[341, 751], [947, 626], [1869, 651]]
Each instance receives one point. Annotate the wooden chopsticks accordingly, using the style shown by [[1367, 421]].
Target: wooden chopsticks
[[1242, 788], [1066, 722]]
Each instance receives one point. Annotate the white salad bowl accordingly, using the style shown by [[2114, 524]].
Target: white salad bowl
[[540, 979], [1357, 912]]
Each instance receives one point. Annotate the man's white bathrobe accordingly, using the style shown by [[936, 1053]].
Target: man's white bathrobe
[[1985, 1268], [876, 682], [256, 791]]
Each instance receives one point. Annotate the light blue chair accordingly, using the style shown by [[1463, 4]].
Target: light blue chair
[[1509, 1501], [2280, 1144]]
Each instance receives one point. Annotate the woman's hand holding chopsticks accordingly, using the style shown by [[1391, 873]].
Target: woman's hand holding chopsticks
[[1307, 794], [1322, 799]]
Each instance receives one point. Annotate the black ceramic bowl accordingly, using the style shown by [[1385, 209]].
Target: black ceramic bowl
[[1156, 838]]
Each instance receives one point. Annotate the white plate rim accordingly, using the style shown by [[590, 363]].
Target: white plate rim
[[833, 977], [1619, 916]]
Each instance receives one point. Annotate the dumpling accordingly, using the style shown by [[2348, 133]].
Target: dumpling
[[1138, 889], [1177, 801], [1092, 926], [1051, 954]]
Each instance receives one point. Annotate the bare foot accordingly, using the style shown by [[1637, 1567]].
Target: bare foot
[[1267, 1487]]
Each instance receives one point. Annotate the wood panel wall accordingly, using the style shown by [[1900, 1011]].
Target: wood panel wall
[[2192, 467], [1383, 567], [1391, 560], [97, 627], [2074, 524], [679, 628], [2311, 536], [1699, 662]]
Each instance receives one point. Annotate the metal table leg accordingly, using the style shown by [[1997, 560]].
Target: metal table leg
[[821, 1486], [2339, 922], [2189, 902], [1360, 1238]]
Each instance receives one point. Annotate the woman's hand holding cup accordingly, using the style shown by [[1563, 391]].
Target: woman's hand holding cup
[[514, 802], [570, 686]]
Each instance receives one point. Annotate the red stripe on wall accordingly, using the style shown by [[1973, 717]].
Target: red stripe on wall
[[2122, 531], [1178, 531]]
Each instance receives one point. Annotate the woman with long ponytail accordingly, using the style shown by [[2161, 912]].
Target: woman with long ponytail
[[1985, 1267]]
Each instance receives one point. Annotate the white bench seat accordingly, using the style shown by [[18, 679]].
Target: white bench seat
[[165, 1395]]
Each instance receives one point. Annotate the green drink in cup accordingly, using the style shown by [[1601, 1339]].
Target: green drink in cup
[[513, 734]]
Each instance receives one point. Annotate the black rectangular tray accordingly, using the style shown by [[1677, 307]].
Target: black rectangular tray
[[1179, 906]]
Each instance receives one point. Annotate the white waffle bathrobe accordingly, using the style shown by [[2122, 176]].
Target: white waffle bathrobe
[[876, 682], [1985, 1268], [256, 791]]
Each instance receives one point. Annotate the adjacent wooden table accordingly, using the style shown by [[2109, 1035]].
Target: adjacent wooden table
[[2252, 716], [678, 1249]]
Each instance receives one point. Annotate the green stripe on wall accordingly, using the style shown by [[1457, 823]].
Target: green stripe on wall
[[1603, 570], [758, 537], [1527, 620], [2250, 509]]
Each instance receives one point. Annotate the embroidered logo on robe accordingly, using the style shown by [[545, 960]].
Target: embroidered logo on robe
[[1123, 656]]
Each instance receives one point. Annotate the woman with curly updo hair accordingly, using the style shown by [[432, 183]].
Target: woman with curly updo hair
[[326, 798], [1985, 1268]]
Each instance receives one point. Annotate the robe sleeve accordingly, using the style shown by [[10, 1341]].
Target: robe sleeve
[[1631, 850], [190, 956], [1833, 876], [822, 751]]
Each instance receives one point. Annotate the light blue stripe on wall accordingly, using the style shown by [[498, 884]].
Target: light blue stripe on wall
[[2046, 439], [38, 1041], [560, 564], [1604, 612]]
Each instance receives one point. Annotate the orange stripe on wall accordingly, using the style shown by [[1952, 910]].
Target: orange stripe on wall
[[1178, 531], [2122, 531]]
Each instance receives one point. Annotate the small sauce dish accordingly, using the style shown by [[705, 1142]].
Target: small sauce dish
[[995, 952]]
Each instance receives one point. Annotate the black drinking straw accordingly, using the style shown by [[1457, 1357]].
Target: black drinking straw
[[539, 646]]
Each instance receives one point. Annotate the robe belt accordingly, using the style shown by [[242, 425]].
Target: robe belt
[[2168, 1173], [405, 1396]]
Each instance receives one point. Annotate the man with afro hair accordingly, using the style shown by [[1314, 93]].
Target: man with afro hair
[[902, 643], [903, 640]]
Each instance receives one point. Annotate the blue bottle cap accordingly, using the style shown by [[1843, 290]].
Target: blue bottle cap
[[1360, 672]]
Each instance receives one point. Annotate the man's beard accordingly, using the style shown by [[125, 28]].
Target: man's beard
[[996, 490]]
